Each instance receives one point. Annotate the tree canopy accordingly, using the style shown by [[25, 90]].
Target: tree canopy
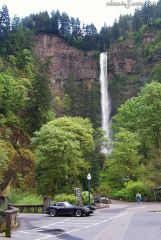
[[137, 139], [62, 147]]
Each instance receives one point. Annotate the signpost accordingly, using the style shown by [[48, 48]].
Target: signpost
[[78, 194]]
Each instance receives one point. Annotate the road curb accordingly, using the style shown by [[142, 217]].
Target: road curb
[[100, 206]]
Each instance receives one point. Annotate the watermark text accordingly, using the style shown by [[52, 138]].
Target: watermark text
[[128, 3]]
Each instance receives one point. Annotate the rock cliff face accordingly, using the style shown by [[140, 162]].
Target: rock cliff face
[[65, 62], [121, 60], [131, 63], [129, 57]]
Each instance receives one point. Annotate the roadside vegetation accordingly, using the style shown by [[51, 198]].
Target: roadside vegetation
[[135, 162]]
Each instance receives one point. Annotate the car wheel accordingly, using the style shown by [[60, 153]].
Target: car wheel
[[78, 213], [53, 213]]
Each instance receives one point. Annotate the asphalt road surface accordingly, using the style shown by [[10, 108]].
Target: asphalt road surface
[[121, 221]]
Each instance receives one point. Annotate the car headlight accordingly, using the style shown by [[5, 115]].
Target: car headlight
[[87, 209]]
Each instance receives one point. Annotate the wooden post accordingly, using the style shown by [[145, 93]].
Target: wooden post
[[46, 202], [8, 224], [155, 199]]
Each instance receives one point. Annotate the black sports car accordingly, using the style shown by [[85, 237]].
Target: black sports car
[[65, 208]]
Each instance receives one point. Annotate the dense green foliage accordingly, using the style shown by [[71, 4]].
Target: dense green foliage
[[137, 141], [85, 198], [132, 187], [148, 15], [17, 197], [7, 155], [62, 147], [71, 198], [69, 28], [20, 98]]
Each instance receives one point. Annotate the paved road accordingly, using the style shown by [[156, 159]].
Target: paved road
[[119, 222]]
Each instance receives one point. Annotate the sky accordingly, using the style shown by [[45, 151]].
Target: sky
[[88, 11]]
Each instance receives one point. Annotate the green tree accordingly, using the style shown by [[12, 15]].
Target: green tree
[[114, 33], [55, 22], [81, 128], [104, 38], [7, 161], [65, 25], [41, 22], [4, 31], [142, 115], [75, 27], [124, 159], [91, 38], [20, 40], [13, 94], [39, 107], [62, 147], [137, 134], [124, 25], [137, 21]]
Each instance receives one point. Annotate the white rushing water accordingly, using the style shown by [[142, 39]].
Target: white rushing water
[[105, 101]]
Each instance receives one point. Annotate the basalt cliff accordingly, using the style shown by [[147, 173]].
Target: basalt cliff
[[73, 73], [132, 61], [65, 62]]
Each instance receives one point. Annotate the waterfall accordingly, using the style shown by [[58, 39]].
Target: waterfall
[[105, 101]]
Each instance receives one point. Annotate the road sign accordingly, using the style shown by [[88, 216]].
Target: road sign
[[78, 194]]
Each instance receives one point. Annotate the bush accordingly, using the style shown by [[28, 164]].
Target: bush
[[85, 198], [121, 194], [17, 197], [71, 198], [131, 188]]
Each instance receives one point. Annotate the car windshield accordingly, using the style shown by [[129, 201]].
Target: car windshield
[[67, 204]]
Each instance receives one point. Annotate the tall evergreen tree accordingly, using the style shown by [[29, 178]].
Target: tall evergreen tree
[[124, 25], [4, 30], [104, 38], [75, 27], [137, 21], [55, 22], [114, 32], [65, 27]]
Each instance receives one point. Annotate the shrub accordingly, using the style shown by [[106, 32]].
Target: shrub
[[71, 198], [17, 197], [85, 198], [131, 188], [121, 194]]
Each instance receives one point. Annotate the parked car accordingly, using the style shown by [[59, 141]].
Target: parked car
[[65, 208]]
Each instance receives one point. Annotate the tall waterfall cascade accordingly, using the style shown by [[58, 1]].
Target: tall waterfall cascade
[[105, 101]]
